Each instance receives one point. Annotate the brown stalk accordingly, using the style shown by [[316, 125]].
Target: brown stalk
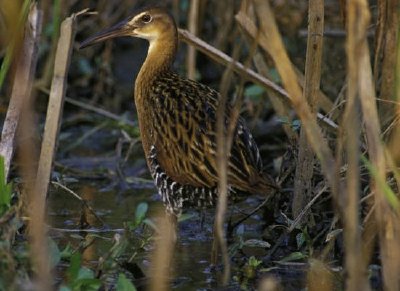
[[379, 36], [248, 25], [280, 108], [388, 26], [386, 217], [305, 161], [193, 28], [244, 72], [224, 143], [55, 105], [394, 142], [277, 51], [20, 93], [27, 151], [224, 21], [237, 67], [351, 128], [319, 278], [161, 261]]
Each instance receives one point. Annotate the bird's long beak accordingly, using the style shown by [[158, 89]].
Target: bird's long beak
[[120, 29]]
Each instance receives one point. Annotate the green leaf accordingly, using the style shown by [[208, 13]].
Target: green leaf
[[296, 124], [84, 66], [256, 243], [240, 230], [150, 223], [253, 262], [274, 75], [333, 234], [186, 216], [295, 256], [85, 273], [73, 269], [86, 285], [5, 189], [388, 192], [123, 284], [254, 92], [300, 239], [67, 252], [85, 281], [55, 254], [140, 212]]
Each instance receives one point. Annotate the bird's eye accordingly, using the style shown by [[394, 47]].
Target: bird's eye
[[146, 18]]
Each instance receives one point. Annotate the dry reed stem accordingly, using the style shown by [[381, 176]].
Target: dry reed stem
[[277, 51], [20, 91], [237, 67], [55, 105], [319, 277], [305, 161], [379, 35], [388, 25], [161, 261], [100, 111], [246, 73], [247, 24], [193, 28], [388, 225], [386, 217], [269, 284], [394, 142], [280, 108], [351, 127], [27, 153], [224, 143]]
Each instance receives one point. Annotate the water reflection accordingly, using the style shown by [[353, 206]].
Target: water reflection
[[78, 226]]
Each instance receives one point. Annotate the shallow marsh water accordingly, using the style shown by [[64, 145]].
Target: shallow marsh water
[[191, 265], [192, 269]]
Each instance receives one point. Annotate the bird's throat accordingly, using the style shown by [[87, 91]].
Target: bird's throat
[[160, 57]]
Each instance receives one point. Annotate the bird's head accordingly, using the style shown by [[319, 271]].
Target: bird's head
[[148, 24]]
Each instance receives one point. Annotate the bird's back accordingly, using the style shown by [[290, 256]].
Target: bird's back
[[183, 143]]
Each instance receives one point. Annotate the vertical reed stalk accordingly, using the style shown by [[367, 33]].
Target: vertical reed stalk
[[276, 49], [224, 140], [19, 93], [162, 255], [351, 127], [28, 154], [193, 28], [305, 161], [386, 217], [388, 25], [394, 143], [55, 106]]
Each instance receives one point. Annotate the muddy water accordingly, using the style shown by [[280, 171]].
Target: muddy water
[[192, 255]]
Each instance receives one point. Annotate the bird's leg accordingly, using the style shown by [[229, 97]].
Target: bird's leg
[[215, 245], [202, 218], [173, 221]]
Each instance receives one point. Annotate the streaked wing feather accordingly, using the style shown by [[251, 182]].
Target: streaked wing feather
[[186, 143]]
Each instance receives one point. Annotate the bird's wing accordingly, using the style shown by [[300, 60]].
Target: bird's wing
[[185, 124]]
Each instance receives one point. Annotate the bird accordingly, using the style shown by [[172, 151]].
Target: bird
[[177, 120]]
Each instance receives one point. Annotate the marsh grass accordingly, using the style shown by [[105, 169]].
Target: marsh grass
[[348, 163]]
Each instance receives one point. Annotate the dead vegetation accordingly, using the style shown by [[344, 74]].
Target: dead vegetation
[[336, 219]]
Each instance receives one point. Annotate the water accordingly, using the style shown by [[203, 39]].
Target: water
[[192, 269]]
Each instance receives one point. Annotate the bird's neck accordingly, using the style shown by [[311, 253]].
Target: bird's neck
[[160, 56]]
